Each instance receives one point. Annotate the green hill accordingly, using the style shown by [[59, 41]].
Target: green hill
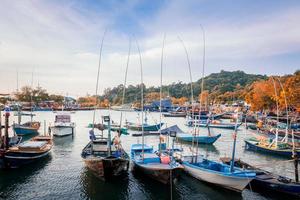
[[217, 84]]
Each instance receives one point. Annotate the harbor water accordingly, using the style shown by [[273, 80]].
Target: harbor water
[[63, 174]]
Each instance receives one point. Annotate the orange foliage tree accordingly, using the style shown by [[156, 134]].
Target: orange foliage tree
[[179, 101]]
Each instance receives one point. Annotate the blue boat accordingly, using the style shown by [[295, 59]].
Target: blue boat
[[202, 123], [158, 167], [267, 181], [145, 126], [188, 137], [218, 173], [28, 128], [285, 151]]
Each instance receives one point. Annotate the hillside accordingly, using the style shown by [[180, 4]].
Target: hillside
[[217, 84]]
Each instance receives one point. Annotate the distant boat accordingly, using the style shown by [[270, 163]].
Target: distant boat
[[27, 152], [214, 125], [114, 127], [188, 137], [125, 108], [62, 125], [175, 114], [282, 149], [146, 127], [161, 168], [267, 180]]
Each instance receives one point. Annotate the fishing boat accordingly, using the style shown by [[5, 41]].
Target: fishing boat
[[267, 180], [263, 146], [189, 137], [62, 125], [218, 173], [213, 124], [103, 159], [105, 163], [175, 114], [27, 152], [114, 127], [29, 128], [161, 168], [144, 126]]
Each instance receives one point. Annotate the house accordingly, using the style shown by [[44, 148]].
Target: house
[[166, 105]]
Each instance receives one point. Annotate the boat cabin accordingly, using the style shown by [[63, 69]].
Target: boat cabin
[[62, 118]]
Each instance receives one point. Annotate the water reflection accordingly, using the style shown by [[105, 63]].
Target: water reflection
[[96, 188], [12, 179]]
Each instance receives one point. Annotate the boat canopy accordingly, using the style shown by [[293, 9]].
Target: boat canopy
[[63, 118], [174, 128]]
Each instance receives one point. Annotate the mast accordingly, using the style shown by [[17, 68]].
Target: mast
[[17, 81], [234, 143], [277, 110], [287, 111], [202, 86], [124, 85], [31, 94], [142, 97], [192, 95], [97, 83], [160, 91]]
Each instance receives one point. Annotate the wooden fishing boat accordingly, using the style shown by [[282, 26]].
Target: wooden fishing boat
[[27, 152], [114, 127], [265, 147], [188, 137], [175, 114], [218, 173], [62, 125], [267, 180], [27, 128], [214, 125], [161, 168], [101, 162], [144, 126]]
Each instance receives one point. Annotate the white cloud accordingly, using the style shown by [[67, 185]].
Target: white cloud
[[61, 42]]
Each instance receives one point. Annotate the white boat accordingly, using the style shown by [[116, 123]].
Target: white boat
[[63, 125], [219, 174]]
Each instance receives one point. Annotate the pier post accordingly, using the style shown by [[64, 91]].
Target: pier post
[[295, 158], [6, 139]]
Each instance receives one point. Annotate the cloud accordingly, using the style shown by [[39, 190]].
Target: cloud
[[60, 41]]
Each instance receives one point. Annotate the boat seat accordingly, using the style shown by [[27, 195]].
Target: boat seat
[[99, 147], [151, 158], [215, 167]]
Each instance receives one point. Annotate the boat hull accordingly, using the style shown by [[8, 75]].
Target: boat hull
[[25, 130], [61, 131], [146, 128], [106, 168], [16, 160], [254, 147], [200, 139], [165, 176], [229, 182]]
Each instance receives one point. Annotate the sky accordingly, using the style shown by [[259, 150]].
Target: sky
[[58, 41]]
